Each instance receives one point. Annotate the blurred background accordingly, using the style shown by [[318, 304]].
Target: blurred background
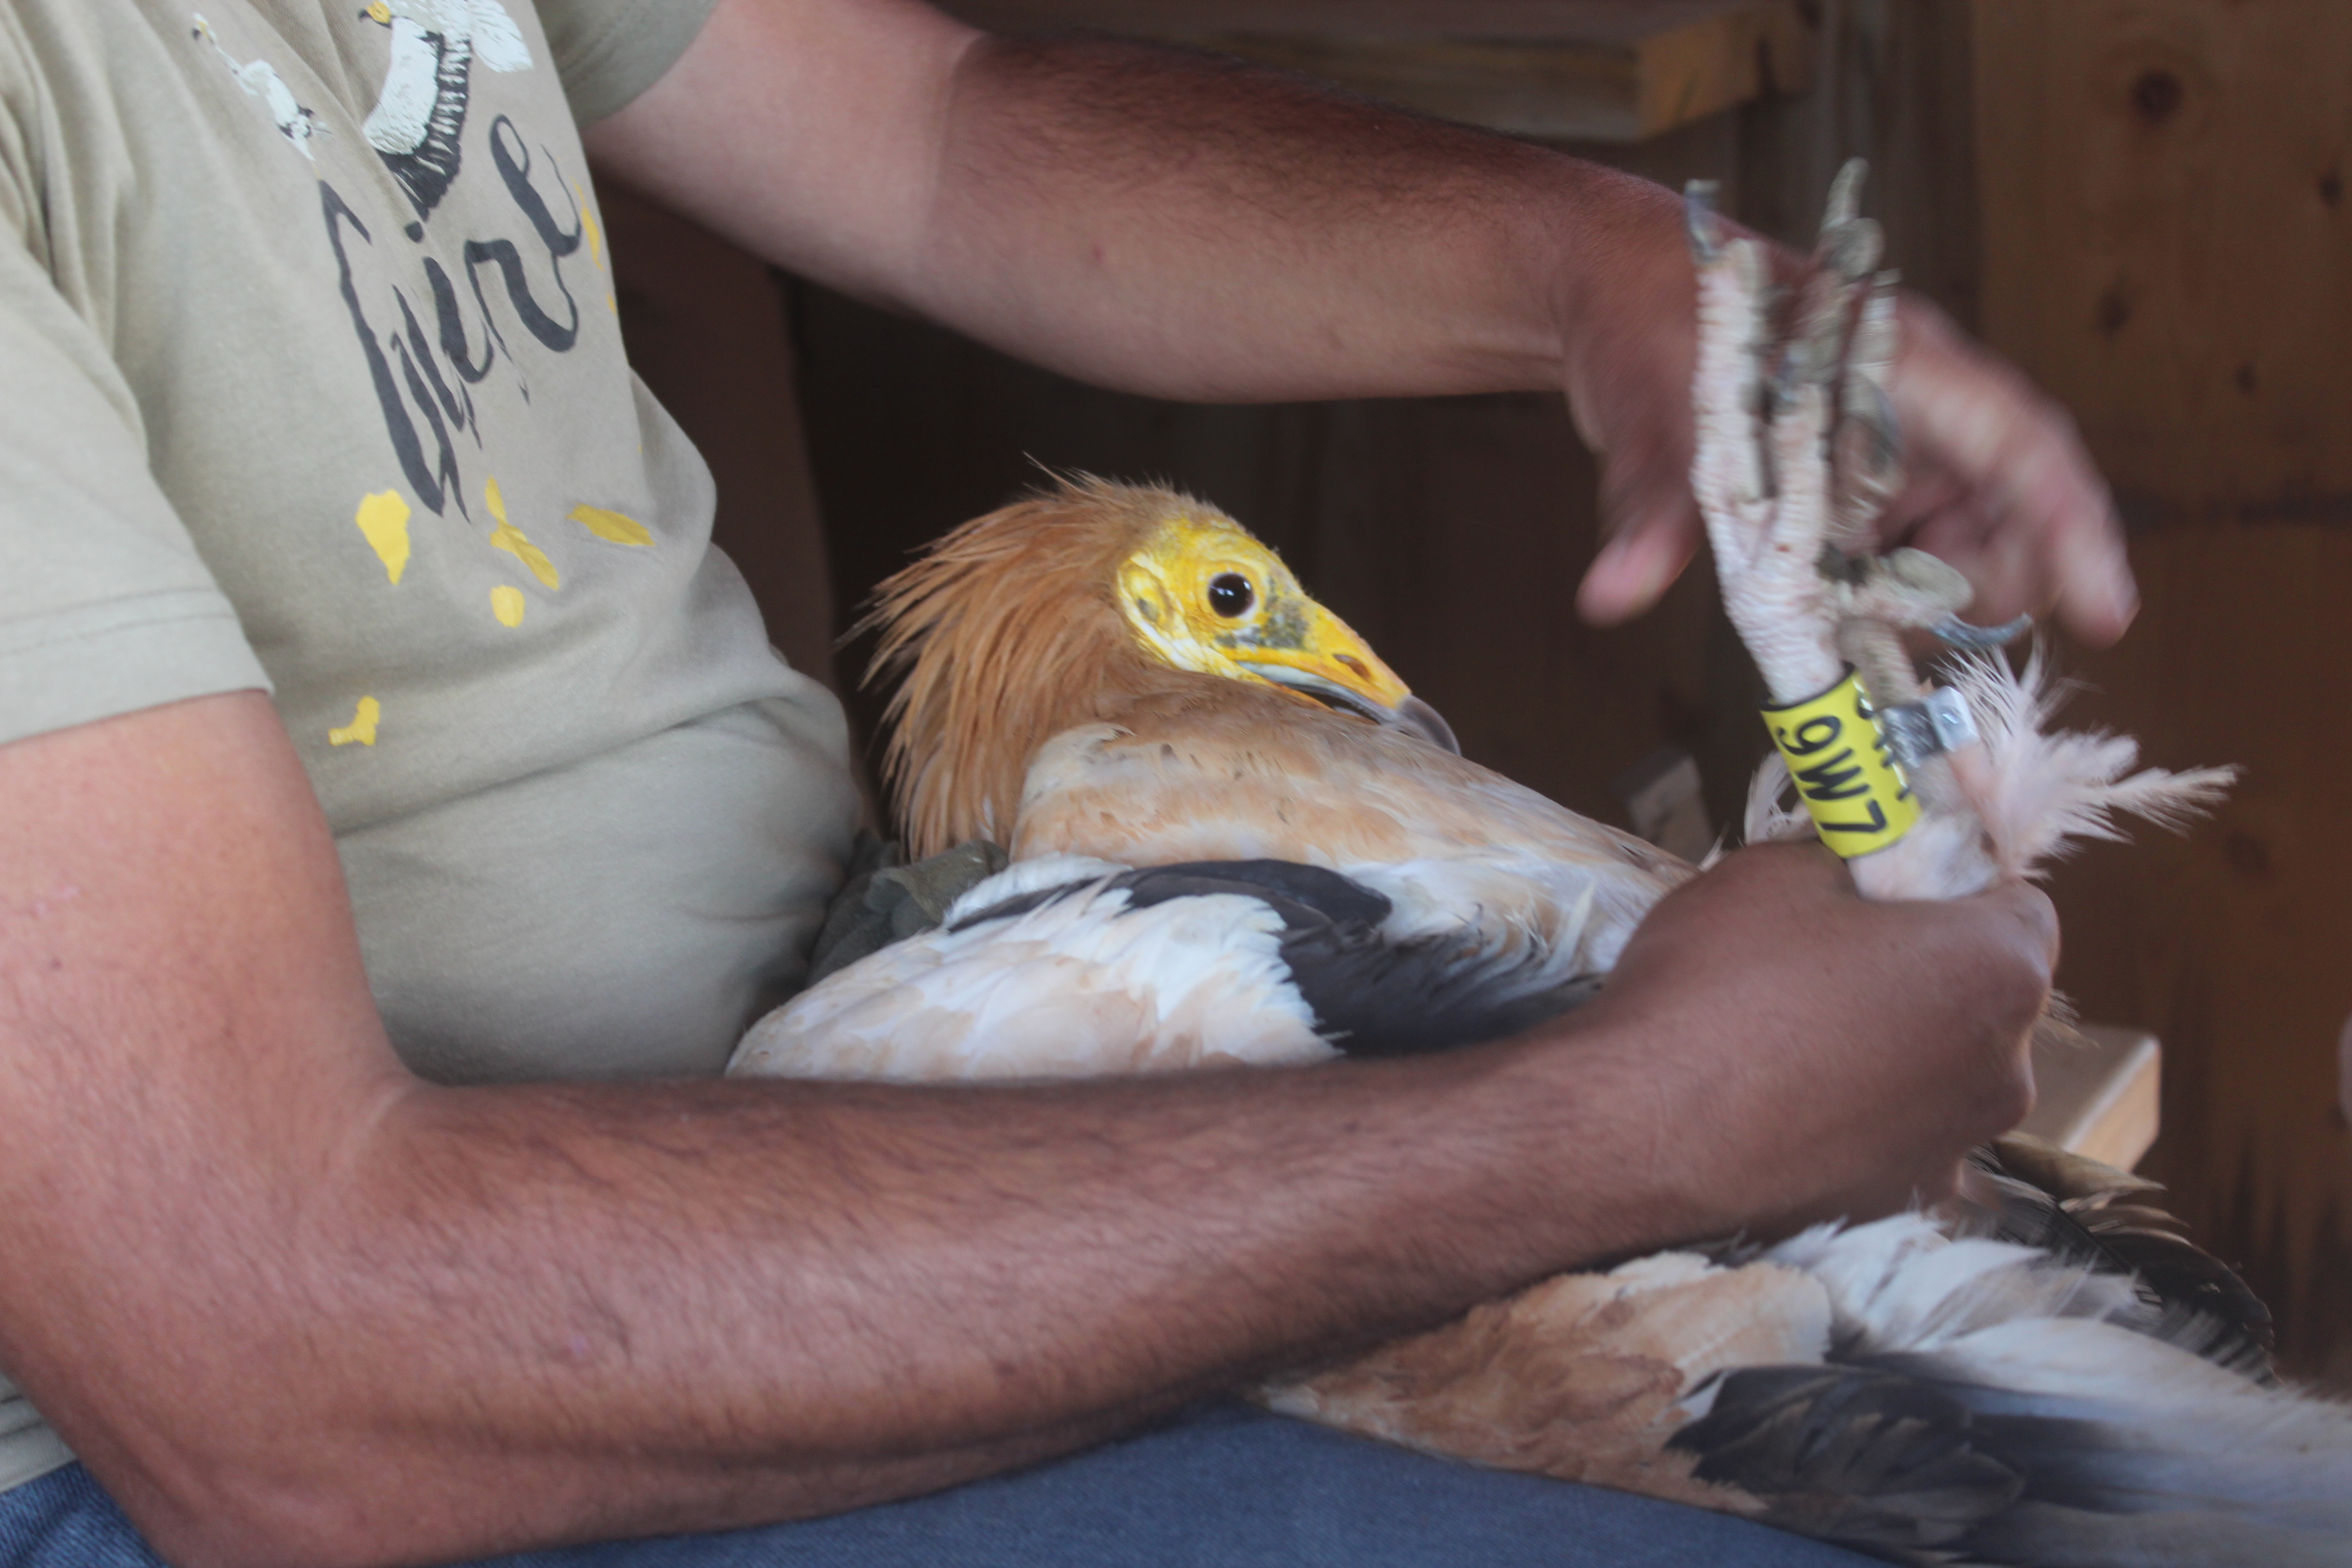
[[2141, 202]]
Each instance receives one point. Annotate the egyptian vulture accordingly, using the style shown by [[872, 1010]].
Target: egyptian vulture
[[1234, 837]]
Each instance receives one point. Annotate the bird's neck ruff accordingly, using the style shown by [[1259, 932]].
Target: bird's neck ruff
[[1007, 633]]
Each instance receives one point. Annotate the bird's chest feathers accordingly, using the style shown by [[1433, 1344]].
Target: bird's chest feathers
[[1158, 794], [1313, 786]]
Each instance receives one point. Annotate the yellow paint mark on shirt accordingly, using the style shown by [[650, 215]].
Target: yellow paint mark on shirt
[[605, 523], [384, 518], [508, 603], [588, 221], [595, 238], [363, 725], [509, 537]]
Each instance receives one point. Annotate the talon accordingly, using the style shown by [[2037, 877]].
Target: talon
[[1851, 249], [1706, 225], [1849, 245], [1958, 633], [1845, 193]]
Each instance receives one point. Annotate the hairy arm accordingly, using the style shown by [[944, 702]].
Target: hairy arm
[[1188, 227], [290, 1304]]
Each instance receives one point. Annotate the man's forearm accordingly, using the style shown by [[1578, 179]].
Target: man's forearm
[[1196, 227], [532, 1313], [1158, 220], [1177, 225], [290, 1303]]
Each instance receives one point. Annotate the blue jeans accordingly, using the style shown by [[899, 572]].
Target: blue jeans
[[1225, 1487]]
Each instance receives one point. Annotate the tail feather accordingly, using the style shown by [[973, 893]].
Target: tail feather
[[2052, 1442], [2049, 1535], [2103, 1420], [2082, 1213]]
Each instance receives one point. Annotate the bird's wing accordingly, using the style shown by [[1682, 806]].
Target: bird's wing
[[1995, 1403], [1063, 967], [1584, 1376], [1266, 830], [1053, 968], [1262, 776], [497, 42]]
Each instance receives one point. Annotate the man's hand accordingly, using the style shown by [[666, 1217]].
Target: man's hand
[[1812, 1055], [1999, 483]]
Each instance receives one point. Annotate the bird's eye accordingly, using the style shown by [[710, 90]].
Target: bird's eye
[[1230, 595]]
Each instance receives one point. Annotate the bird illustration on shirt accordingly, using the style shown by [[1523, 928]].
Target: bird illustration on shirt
[[260, 80], [420, 114]]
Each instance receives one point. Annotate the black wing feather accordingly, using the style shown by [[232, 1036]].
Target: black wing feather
[[2082, 1211], [1371, 996]]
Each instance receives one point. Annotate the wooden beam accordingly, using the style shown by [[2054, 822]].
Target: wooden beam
[[1592, 70], [2099, 1097]]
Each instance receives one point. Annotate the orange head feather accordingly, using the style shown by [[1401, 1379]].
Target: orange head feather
[[1008, 633], [1073, 607]]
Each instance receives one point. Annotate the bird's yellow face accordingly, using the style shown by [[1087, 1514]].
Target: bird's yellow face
[[1203, 595]]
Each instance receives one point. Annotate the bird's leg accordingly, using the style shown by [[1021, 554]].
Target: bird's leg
[[1757, 472], [1845, 338], [1797, 456]]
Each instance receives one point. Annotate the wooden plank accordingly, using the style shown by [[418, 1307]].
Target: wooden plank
[[2100, 1096], [1603, 70], [2166, 234], [2228, 941]]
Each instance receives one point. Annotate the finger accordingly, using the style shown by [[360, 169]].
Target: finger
[[1996, 953], [2102, 611], [2003, 566], [2017, 453], [1638, 563]]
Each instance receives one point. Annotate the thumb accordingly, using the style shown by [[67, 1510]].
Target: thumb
[[2033, 918], [1655, 535]]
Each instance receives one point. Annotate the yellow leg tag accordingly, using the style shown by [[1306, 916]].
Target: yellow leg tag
[[1858, 796]]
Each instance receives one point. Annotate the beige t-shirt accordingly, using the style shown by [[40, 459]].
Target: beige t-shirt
[[315, 382]]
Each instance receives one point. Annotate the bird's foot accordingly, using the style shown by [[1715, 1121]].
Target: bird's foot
[[1798, 454]]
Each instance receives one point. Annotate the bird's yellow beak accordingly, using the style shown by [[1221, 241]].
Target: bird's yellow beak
[[1203, 595], [378, 13]]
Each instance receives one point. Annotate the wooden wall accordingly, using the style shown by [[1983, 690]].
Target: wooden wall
[[2167, 249]]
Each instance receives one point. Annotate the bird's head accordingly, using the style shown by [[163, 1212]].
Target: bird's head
[[1071, 604], [1200, 594]]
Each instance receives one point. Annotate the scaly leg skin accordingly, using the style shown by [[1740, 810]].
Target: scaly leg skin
[[1797, 456]]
